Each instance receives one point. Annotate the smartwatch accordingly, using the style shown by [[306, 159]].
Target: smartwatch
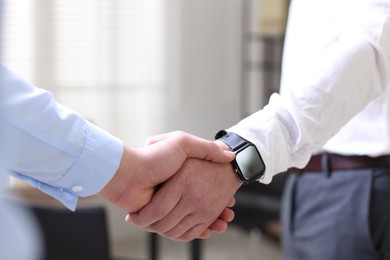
[[248, 163]]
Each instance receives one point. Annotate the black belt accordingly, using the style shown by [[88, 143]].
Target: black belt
[[335, 162]]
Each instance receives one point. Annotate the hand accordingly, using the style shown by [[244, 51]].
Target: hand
[[190, 202], [220, 225], [141, 170]]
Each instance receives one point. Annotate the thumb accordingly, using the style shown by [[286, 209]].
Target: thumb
[[196, 147], [158, 138], [199, 148]]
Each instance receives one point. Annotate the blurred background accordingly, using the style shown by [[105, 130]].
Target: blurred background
[[138, 68]]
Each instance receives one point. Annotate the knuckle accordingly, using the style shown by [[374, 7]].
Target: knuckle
[[180, 134], [150, 140], [160, 213], [156, 228], [187, 183]]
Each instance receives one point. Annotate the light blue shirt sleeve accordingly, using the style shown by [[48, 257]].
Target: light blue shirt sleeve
[[51, 147]]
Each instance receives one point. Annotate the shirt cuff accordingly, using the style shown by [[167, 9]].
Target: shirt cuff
[[96, 165], [92, 170], [65, 197]]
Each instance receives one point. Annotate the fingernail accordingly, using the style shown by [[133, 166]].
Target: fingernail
[[128, 219]]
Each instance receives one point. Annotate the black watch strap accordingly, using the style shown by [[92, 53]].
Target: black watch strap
[[233, 140]]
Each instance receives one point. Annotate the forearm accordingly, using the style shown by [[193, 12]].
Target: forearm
[[50, 146]]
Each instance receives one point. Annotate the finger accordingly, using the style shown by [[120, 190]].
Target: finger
[[128, 219], [175, 223], [206, 234], [157, 138], [219, 226], [169, 226], [185, 225], [227, 215], [197, 147], [232, 202], [194, 232], [162, 203], [191, 226]]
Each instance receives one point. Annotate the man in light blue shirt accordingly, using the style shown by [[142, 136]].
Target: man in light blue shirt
[[59, 152]]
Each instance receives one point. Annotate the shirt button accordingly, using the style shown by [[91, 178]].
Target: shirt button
[[77, 188]]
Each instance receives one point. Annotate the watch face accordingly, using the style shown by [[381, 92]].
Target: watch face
[[250, 163]]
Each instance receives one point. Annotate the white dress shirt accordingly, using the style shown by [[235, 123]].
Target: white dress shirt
[[51, 147], [335, 90]]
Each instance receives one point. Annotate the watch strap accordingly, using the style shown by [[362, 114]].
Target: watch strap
[[233, 140]]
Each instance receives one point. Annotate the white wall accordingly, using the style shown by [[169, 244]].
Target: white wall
[[204, 63]]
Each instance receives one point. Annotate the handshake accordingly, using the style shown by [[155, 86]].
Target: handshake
[[178, 185]]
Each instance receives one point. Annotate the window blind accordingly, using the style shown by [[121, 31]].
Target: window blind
[[105, 59]]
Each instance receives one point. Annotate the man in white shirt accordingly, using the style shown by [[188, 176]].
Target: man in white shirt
[[335, 102]]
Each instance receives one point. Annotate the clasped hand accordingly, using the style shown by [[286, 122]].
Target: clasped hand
[[178, 185]]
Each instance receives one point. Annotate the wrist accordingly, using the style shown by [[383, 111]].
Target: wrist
[[109, 189], [126, 180]]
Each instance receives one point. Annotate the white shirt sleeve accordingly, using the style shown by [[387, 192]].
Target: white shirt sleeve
[[50, 146], [336, 61]]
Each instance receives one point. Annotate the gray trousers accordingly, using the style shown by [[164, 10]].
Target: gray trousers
[[338, 215]]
